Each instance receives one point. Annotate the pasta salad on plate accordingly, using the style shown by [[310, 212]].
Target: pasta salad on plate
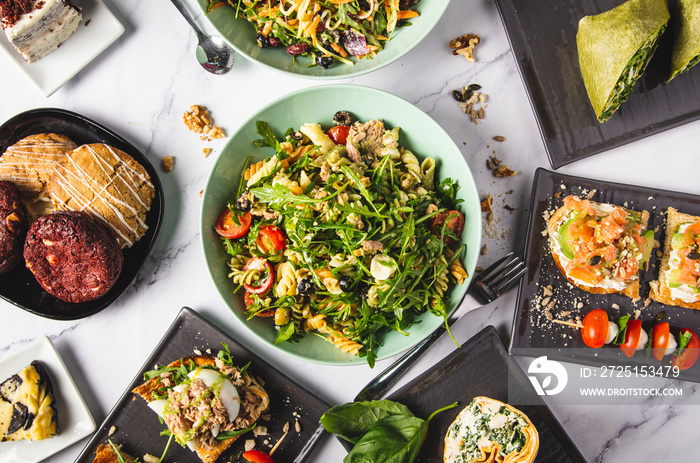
[[342, 233]]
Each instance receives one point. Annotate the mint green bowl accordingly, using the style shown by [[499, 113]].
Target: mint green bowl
[[240, 34], [419, 133]]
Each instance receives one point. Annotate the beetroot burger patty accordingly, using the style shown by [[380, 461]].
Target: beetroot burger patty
[[72, 256], [13, 226]]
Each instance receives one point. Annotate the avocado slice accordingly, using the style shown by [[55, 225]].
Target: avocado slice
[[677, 241], [646, 249], [565, 239], [673, 277]]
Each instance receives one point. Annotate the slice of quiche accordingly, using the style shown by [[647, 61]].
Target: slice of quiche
[[27, 406], [488, 430]]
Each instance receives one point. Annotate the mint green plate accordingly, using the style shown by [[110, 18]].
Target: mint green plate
[[240, 34], [419, 133]]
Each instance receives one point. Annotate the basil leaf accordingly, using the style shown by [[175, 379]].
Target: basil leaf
[[352, 420], [622, 324], [683, 341], [396, 438]]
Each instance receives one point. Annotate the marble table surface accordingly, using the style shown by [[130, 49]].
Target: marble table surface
[[142, 84]]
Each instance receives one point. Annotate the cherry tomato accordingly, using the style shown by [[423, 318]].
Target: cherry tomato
[[266, 279], [257, 456], [455, 223], [634, 329], [660, 336], [271, 240], [226, 227], [690, 354], [339, 134], [595, 328]]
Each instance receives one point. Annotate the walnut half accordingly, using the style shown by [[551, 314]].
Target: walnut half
[[464, 46]]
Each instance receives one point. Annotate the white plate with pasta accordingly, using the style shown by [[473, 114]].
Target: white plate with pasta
[[353, 233]]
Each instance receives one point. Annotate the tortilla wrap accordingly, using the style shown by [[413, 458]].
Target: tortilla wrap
[[615, 47], [686, 45]]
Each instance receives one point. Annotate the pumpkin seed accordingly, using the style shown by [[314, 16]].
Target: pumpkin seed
[[595, 260]]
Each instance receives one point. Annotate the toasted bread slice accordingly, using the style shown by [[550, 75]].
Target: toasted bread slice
[[491, 413], [630, 287], [254, 401], [659, 289], [105, 454]]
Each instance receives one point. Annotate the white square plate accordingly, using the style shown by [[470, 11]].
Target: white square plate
[[74, 419], [59, 66]]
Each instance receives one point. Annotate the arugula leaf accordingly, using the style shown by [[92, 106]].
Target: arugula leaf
[[231, 434], [352, 420], [268, 137], [285, 332]]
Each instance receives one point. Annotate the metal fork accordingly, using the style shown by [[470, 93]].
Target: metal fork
[[487, 286]]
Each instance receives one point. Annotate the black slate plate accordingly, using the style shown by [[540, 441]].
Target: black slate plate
[[19, 286], [532, 332], [481, 367], [138, 427], [542, 35]]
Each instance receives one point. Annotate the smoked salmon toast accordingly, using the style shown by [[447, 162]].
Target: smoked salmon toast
[[600, 247]]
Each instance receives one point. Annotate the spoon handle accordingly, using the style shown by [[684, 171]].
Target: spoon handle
[[188, 17]]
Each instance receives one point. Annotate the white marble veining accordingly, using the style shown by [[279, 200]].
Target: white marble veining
[[141, 86]]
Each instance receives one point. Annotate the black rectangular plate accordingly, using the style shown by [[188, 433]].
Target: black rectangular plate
[[532, 332], [19, 285], [542, 35], [481, 367], [138, 427]]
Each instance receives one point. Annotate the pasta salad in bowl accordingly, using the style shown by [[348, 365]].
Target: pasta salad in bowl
[[323, 38], [335, 237]]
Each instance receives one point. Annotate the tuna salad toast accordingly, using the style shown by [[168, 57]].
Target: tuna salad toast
[[205, 401]]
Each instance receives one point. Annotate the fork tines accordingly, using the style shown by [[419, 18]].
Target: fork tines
[[499, 276]]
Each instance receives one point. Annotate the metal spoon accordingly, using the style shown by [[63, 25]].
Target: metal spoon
[[212, 52]]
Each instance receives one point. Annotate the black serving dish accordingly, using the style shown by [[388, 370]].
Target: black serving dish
[[533, 333], [481, 367], [542, 36], [19, 285], [138, 428]]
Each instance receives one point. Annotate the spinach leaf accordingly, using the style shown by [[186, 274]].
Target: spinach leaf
[[352, 420], [395, 439]]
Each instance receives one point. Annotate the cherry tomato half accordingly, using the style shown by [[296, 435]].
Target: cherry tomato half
[[257, 456], [271, 240], [226, 227], [266, 278], [690, 354], [595, 328], [455, 224], [339, 134], [634, 330], [660, 336]]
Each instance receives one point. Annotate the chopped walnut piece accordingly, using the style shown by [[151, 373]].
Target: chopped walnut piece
[[168, 162], [464, 46], [207, 152], [503, 171], [198, 120], [486, 203]]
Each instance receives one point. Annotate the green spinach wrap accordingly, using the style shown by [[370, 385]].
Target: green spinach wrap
[[686, 45], [615, 47]]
